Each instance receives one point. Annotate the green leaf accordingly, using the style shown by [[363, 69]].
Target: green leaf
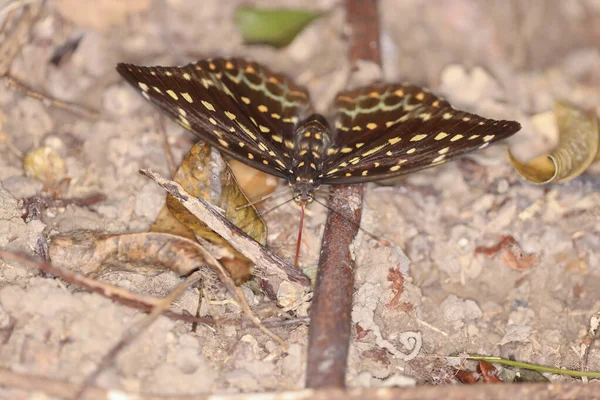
[[274, 26]]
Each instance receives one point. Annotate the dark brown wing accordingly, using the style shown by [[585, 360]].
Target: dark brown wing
[[240, 107], [389, 130]]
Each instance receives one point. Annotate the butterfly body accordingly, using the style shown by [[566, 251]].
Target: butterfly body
[[313, 137], [266, 121]]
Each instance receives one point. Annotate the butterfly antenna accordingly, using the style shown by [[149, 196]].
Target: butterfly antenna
[[299, 235], [276, 207], [263, 198]]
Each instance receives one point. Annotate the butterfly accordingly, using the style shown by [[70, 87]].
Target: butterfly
[[266, 121]]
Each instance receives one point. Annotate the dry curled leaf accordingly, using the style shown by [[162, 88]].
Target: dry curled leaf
[[203, 174], [578, 147], [95, 254]]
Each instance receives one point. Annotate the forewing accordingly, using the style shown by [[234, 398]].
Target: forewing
[[241, 108], [389, 130]]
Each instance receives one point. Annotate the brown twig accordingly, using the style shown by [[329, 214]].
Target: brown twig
[[73, 108], [330, 315], [530, 391], [36, 204], [267, 263]]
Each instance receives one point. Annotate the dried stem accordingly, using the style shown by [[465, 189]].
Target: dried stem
[[330, 317]]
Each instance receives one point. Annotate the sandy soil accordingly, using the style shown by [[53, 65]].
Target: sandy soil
[[500, 59]]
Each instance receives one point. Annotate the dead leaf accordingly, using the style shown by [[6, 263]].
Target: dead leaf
[[94, 254], [578, 148], [99, 15], [205, 175]]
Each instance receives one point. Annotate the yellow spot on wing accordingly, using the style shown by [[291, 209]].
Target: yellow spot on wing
[[444, 150], [187, 76], [441, 135], [418, 137], [208, 106], [229, 115], [456, 137], [157, 90], [395, 168], [223, 143], [143, 86], [245, 100], [394, 140], [262, 108], [187, 97], [373, 150], [172, 94], [264, 129], [411, 151], [371, 125], [277, 138], [488, 138], [346, 149]]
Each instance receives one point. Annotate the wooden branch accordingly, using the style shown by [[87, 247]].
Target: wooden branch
[[330, 312]]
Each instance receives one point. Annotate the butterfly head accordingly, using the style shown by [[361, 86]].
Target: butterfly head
[[303, 192]]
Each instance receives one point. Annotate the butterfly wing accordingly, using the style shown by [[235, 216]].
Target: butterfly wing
[[245, 110], [389, 130]]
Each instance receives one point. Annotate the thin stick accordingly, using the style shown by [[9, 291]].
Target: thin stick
[[47, 99], [136, 330], [533, 367]]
